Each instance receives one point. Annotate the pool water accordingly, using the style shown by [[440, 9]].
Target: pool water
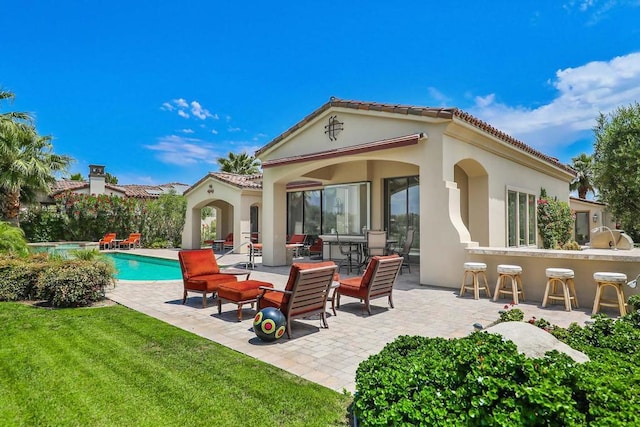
[[139, 267]]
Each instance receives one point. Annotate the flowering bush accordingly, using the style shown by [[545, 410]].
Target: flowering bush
[[555, 221]]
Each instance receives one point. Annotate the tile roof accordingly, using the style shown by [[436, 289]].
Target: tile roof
[[242, 181], [129, 190], [437, 113]]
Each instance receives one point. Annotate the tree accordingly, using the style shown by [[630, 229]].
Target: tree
[[616, 170], [583, 165], [241, 164], [110, 179], [27, 162], [76, 177]]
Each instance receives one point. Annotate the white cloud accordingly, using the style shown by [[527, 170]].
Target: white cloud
[[582, 93], [187, 131], [181, 113], [181, 102], [232, 129], [167, 106], [213, 131], [183, 151], [440, 98], [597, 10], [198, 111]]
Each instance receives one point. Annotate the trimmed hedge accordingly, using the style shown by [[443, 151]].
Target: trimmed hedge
[[62, 283]]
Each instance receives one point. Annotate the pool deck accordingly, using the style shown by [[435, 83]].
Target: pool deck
[[331, 356]]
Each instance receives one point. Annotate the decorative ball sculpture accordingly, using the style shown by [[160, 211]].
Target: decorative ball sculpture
[[269, 324]]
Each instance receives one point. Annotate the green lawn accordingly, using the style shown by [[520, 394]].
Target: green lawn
[[114, 366]]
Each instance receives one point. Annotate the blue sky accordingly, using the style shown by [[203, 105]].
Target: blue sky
[[157, 91]]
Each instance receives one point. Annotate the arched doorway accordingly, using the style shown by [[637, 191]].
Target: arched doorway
[[473, 182]]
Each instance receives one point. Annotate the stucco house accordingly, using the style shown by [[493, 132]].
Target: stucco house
[[97, 185], [351, 166]]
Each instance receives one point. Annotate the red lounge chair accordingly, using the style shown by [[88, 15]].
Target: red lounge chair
[[305, 293], [132, 241], [107, 241], [201, 274]]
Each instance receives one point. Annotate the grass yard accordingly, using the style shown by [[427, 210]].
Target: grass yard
[[114, 366]]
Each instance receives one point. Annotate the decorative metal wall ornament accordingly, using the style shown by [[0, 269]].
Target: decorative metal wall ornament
[[333, 128]]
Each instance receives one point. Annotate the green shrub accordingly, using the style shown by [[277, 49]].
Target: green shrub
[[555, 221], [571, 245], [74, 283], [19, 278], [476, 380], [482, 380]]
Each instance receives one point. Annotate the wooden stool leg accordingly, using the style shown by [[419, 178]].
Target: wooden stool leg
[[497, 290], [596, 301], [621, 303], [567, 298], [464, 280], [486, 284], [476, 291], [572, 289], [514, 289], [547, 289], [519, 279]]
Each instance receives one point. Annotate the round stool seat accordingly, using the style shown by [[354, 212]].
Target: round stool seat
[[475, 266], [509, 269], [559, 273], [602, 276]]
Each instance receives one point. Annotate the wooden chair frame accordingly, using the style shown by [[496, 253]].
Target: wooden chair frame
[[381, 282], [308, 295]]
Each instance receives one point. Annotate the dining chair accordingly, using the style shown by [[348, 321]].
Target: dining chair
[[349, 250], [406, 248]]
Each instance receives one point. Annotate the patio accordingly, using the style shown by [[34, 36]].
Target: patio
[[328, 357]]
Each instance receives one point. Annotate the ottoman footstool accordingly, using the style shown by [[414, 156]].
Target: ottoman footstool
[[240, 293]]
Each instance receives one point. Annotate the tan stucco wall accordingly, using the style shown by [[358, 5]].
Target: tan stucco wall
[[534, 263], [232, 212], [490, 168]]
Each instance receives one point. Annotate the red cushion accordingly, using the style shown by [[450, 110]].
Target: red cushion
[[197, 262], [353, 287], [208, 282], [241, 291]]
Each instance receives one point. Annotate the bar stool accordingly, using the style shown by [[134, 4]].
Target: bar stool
[[476, 270], [616, 281], [513, 272], [564, 278]]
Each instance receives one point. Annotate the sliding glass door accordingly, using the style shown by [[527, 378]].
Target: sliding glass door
[[402, 208]]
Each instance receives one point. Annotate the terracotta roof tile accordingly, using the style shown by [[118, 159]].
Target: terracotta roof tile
[[438, 113]]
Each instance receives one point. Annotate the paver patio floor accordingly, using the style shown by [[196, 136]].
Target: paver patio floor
[[327, 356]]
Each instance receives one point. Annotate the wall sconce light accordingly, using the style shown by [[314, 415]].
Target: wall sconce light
[[210, 190], [595, 218]]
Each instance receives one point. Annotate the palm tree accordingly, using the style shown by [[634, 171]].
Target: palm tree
[[27, 163], [583, 183], [241, 164]]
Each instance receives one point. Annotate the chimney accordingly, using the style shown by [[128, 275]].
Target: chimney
[[96, 179]]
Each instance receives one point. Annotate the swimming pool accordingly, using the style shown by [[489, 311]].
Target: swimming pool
[[140, 267]]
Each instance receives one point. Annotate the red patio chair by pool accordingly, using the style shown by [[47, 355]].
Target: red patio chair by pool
[[201, 274], [305, 293], [376, 282], [107, 241], [132, 241]]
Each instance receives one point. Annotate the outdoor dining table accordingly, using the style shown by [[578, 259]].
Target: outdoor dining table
[[358, 241]]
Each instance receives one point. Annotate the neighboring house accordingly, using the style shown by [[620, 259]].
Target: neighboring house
[[590, 214], [350, 166], [97, 186]]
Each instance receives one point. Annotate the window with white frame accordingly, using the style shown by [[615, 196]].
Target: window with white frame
[[521, 218]]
